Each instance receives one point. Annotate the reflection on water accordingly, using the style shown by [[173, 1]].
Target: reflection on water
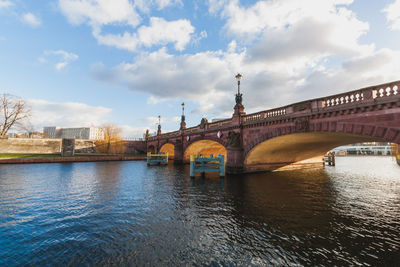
[[125, 213]]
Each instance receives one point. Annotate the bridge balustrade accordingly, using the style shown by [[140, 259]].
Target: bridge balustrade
[[362, 95], [389, 91], [265, 114]]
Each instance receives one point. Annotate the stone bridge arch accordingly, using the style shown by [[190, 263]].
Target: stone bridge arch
[[205, 146], [276, 149], [168, 147]]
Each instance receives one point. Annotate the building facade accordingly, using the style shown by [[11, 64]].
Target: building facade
[[88, 133]]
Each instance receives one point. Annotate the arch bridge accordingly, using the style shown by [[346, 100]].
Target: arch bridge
[[274, 138]]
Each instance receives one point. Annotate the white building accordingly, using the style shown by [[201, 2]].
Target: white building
[[51, 132], [89, 133]]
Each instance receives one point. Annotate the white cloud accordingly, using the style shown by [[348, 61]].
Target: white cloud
[[167, 124], [393, 15], [308, 41], [128, 131], [146, 5], [202, 77], [99, 12], [150, 121], [5, 3], [281, 14], [165, 3], [265, 84], [378, 67], [319, 28], [298, 50], [70, 114], [159, 32], [215, 6], [66, 58], [31, 20]]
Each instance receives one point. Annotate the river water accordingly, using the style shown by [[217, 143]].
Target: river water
[[125, 213]]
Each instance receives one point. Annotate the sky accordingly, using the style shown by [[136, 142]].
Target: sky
[[80, 63]]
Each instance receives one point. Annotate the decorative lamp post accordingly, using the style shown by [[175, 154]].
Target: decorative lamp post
[[238, 77], [238, 95], [183, 123], [239, 108], [159, 125]]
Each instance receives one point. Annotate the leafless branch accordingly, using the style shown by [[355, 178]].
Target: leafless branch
[[13, 111]]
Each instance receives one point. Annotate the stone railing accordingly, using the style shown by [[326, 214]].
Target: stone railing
[[364, 95], [219, 124], [171, 134], [265, 114], [368, 94]]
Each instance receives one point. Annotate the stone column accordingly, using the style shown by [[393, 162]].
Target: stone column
[[235, 160], [178, 152], [234, 150]]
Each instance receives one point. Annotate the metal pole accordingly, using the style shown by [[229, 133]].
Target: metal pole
[[192, 166], [222, 166]]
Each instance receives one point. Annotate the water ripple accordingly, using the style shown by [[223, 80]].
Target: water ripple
[[124, 213]]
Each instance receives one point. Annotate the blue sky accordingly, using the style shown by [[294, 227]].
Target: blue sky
[[84, 62]]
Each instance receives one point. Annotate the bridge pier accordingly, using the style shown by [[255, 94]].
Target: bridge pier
[[179, 151], [235, 160]]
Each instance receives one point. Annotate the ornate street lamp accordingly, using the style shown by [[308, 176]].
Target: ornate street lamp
[[238, 97], [238, 77], [183, 123], [159, 125]]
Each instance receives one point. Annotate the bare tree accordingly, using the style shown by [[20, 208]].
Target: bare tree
[[112, 142], [14, 111], [27, 128]]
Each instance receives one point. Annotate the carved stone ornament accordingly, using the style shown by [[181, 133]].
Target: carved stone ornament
[[302, 106], [203, 123], [233, 140], [367, 94], [238, 99]]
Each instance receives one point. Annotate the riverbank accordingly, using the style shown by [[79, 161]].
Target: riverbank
[[57, 158]]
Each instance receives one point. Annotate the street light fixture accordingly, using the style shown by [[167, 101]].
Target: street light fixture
[[238, 97], [238, 77]]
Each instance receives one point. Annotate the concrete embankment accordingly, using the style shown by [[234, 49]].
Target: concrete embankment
[[51, 146], [68, 159]]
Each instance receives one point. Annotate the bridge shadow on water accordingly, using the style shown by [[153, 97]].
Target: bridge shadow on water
[[308, 216]]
